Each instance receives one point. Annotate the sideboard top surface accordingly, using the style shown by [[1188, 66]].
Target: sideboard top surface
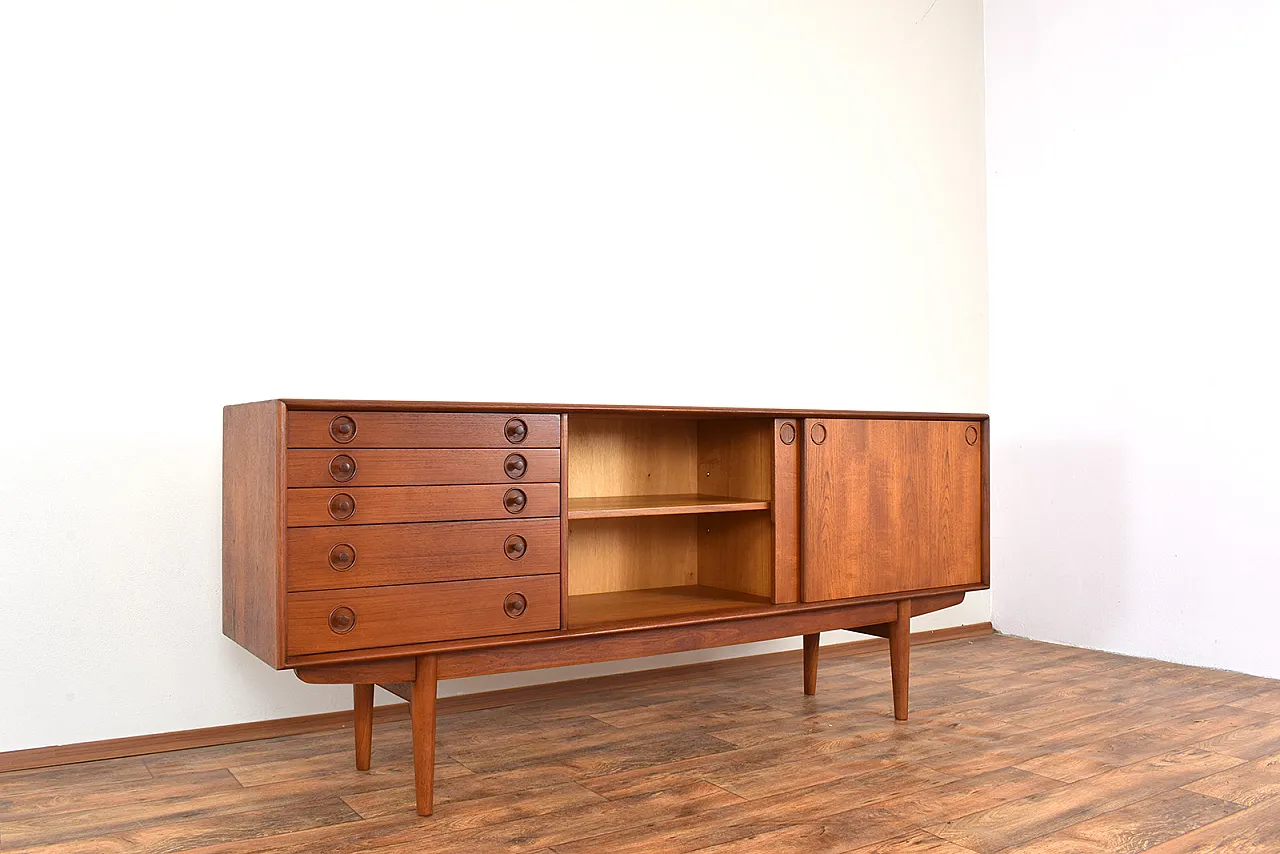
[[611, 409]]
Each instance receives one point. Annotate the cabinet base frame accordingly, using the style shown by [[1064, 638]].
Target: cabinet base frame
[[415, 678]]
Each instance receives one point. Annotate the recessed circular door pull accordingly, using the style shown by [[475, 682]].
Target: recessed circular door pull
[[514, 605], [516, 431], [342, 620], [342, 428], [342, 557], [787, 433], [818, 433], [515, 466], [342, 468], [514, 500], [341, 506], [515, 546]]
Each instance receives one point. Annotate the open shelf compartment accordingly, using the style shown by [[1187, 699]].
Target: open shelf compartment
[[668, 516]]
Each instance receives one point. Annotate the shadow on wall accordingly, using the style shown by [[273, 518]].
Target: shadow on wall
[[1061, 520]]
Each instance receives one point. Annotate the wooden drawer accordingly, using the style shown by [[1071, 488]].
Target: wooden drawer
[[376, 505], [421, 430], [330, 558], [411, 467], [363, 618]]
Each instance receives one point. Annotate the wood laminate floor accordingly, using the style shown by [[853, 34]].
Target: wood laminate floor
[[1012, 746]]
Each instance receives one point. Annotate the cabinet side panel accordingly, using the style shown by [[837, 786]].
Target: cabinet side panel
[[985, 427], [253, 528], [564, 521]]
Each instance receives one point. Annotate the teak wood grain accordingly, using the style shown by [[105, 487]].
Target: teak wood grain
[[376, 505], [421, 466], [361, 672], [253, 528], [564, 521], [421, 552], [890, 506], [422, 710], [660, 641], [811, 646], [422, 430], [900, 657], [362, 699], [744, 608], [475, 539], [386, 616], [611, 410], [785, 509]]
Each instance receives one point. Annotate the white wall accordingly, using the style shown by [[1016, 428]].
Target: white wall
[[1134, 279], [204, 203]]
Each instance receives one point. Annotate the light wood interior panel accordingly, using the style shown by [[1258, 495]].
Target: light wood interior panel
[[735, 457], [735, 552], [632, 456], [639, 553]]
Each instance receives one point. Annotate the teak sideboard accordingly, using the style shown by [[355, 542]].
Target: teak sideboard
[[397, 544]]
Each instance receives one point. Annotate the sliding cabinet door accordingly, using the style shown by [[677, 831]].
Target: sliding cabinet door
[[890, 506]]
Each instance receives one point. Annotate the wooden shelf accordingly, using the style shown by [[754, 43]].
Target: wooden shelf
[[615, 506], [593, 609]]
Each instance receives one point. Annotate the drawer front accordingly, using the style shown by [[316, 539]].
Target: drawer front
[[409, 467], [421, 430], [376, 505], [330, 558], [364, 618]]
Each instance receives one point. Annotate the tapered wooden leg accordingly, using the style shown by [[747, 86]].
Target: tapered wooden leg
[[811, 664], [422, 711], [900, 658], [364, 725]]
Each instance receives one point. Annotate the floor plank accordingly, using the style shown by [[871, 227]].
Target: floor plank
[[1012, 746]]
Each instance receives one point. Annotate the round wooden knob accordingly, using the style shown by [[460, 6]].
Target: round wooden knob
[[516, 431], [818, 433], [341, 506], [515, 466], [342, 557], [971, 434], [787, 433], [515, 546], [342, 429], [342, 468], [514, 605], [514, 500], [342, 620]]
